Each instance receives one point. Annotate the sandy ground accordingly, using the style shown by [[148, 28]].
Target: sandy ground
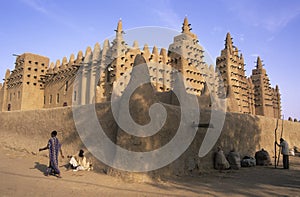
[[22, 175]]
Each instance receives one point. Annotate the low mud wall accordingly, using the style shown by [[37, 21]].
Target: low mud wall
[[29, 130]]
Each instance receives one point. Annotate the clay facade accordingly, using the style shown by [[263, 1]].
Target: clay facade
[[59, 80], [187, 57], [253, 95], [267, 99], [33, 84], [239, 88], [22, 89]]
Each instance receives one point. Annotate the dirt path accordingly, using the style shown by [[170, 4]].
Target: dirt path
[[22, 175]]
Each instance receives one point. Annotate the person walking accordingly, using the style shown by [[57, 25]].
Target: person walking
[[54, 148]]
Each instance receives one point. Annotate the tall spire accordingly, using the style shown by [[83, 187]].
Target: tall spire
[[258, 64], [186, 26], [119, 27], [228, 41], [119, 31], [118, 45]]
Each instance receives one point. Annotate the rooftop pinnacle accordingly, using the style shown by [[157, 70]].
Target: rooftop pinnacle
[[186, 29], [186, 26], [119, 27], [259, 64], [119, 31], [228, 41]]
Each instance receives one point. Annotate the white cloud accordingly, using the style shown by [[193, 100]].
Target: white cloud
[[263, 14], [91, 28], [36, 5], [280, 20], [241, 37], [254, 55], [270, 38], [217, 29], [167, 15], [52, 11]]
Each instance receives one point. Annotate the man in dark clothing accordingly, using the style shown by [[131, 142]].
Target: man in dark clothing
[[54, 148]]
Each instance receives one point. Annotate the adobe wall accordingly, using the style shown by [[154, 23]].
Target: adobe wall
[[291, 132], [1, 96], [61, 92], [29, 130]]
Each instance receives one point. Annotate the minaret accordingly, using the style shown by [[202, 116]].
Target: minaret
[[231, 67], [263, 91], [186, 28], [118, 45], [119, 31], [115, 59], [228, 42], [259, 63], [276, 102], [186, 56]]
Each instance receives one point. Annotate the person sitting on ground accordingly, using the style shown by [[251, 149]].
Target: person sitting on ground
[[262, 158], [80, 162], [221, 162], [234, 159]]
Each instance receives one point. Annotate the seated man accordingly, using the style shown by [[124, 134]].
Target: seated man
[[221, 162], [80, 162], [234, 159]]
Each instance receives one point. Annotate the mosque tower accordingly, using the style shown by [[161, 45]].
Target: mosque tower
[[186, 56], [232, 69]]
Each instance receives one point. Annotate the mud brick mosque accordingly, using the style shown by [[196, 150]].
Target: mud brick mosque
[[36, 84]]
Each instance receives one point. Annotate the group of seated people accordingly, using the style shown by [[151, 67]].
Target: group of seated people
[[234, 161]]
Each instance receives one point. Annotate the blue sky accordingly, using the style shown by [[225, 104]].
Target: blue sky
[[56, 29]]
